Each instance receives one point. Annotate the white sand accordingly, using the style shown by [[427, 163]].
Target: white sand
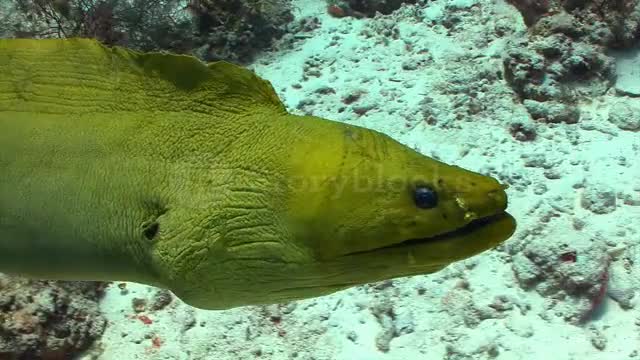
[[435, 316]]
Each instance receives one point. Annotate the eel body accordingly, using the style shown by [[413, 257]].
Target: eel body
[[159, 169]]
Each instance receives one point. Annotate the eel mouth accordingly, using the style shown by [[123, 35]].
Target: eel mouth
[[476, 226]]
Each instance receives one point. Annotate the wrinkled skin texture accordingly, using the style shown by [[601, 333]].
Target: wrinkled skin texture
[[162, 170]]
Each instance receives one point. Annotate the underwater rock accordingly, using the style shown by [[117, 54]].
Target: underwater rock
[[364, 8], [556, 68], [531, 10], [161, 299], [48, 319], [235, 29], [393, 322], [552, 112], [599, 198], [616, 22], [565, 55], [598, 340], [382, 29], [460, 303], [383, 311], [460, 346], [625, 114], [139, 304], [623, 282], [574, 279], [628, 72], [523, 130], [624, 297]]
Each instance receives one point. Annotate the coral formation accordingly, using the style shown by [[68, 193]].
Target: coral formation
[[606, 22], [364, 8], [234, 29], [565, 55], [574, 280], [222, 29], [48, 319]]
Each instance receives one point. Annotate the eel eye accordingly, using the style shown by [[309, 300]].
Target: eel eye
[[425, 197]]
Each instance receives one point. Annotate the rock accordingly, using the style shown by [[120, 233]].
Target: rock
[[552, 112], [566, 56], [621, 286], [598, 340], [576, 277], [628, 72], [553, 67], [598, 198], [624, 297], [359, 8], [625, 114], [48, 319], [161, 299], [523, 130], [392, 323]]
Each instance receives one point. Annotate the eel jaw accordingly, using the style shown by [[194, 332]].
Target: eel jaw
[[427, 255], [415, 256], [476, 225]]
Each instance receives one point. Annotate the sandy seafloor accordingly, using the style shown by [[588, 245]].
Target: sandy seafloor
[[475, 309]]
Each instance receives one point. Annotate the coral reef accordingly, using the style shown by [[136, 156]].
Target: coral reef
[[364, 8], [223, 29], [613, 23], [141, 24], [564, 58], [48, 319], [556, 67], [234, 29], [573, 280]]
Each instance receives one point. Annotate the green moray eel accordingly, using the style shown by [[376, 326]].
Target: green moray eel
[[160, 169]]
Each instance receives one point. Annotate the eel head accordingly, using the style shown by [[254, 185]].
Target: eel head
[[359, 207]]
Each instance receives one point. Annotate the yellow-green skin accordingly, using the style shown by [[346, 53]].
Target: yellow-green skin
[[159, 169]]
